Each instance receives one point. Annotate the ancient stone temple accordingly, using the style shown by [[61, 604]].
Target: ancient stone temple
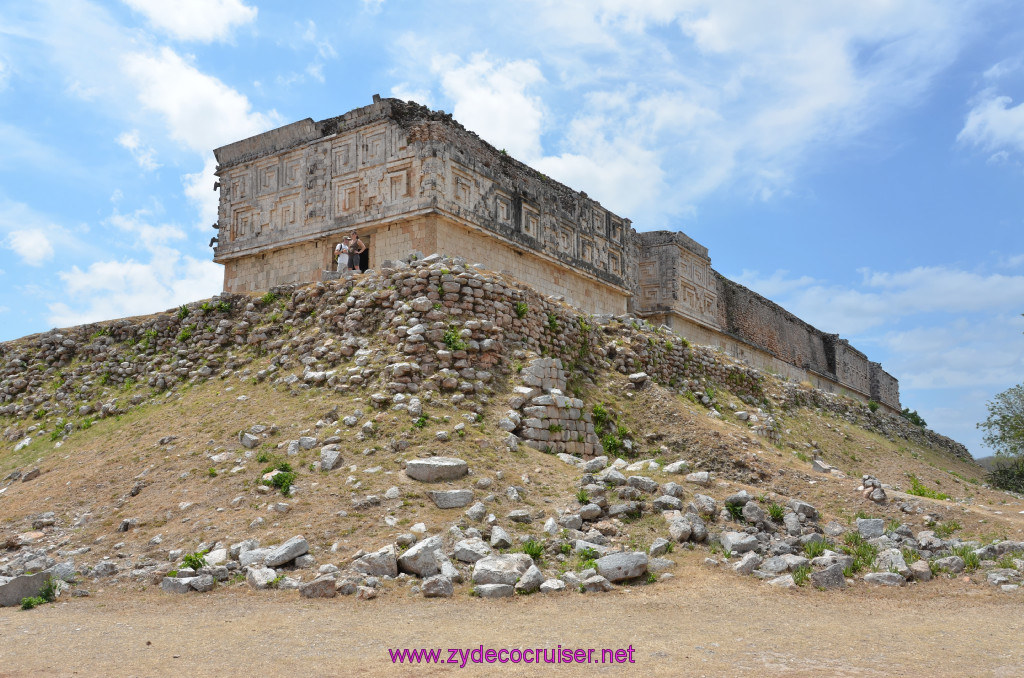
[[409, 179]]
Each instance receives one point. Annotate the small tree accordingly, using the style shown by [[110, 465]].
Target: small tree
[[1004, 428], [1004, 433]]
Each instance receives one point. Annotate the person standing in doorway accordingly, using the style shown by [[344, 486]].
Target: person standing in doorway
[[356, 248], [341, 252]]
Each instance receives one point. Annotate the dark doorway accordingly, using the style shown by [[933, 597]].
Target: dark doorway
[[364, 258]]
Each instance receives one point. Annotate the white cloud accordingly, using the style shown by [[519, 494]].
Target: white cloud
[[373, 6], [957, 353], [199, 191], [199, 110], [736, 95], [883, 298], [407, 92], [491, 99], [32, 245], [200, 20], [118, 288], [994, 124], [5, 75], [144, 155]]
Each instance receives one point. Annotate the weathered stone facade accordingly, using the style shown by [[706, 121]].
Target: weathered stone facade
[[409, 179]]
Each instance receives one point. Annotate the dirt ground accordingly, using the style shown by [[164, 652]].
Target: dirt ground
[[707, 624]]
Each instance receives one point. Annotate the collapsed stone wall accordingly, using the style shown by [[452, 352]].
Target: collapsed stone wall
[[432, 324]]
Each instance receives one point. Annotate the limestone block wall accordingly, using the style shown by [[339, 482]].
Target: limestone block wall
[[550, 420], [885, 388], [296, 264], [768, 326], [852, 367], [585, 292]]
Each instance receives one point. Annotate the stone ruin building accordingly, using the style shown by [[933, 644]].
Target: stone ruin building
[[409, 179]]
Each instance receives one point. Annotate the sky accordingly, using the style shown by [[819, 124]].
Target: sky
[[860, 163]]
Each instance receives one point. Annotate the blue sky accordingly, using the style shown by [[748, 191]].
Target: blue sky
[[860, 163]]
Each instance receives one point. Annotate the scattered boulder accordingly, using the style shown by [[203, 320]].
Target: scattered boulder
[[321, 587], [831, 577], [471, 550], [738, 542], [380, 563], [25, 586], [530, 581], [421, 558], [885, 578], [494, 590], [176, 584], [501, 569], [449, 499], [436, 469], [869, 528], [290, 550], [260, 577], [624, 565], [438, 586], [596, 584]]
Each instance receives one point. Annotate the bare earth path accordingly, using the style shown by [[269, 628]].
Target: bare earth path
[[701, 623]]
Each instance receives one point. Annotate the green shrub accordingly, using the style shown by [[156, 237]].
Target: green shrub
[[801, 575], [453, 340], [588, 554], [49, 591], [600, 415], [421, 421], [863, 553], [913, 417], [582, 496], [919, 490], [521, 309], [813, 549], [610, 444], [268, 298], [31, 602], [262, 457], [194, 560], [873, 406], [1008, 473], [945, 530], [971, 559], [185, 334], [776, 512], [182, 312], [212, 472], [283, 480], [736, 511], [224, 306], [553, 325], [533, 548]]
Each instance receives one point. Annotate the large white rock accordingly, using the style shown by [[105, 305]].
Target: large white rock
[[449, 499], [501, 569], [623, 565], [290, 550], [380, 563], [420, 559], [253, 557], [737, 542], [260, 577], [434, 469], [471, 550]]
